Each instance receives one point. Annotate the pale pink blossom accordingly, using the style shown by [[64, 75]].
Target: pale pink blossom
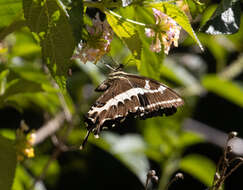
[[166, 33], [98, 42]]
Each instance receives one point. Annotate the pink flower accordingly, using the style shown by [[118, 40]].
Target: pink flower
[[167, 32], [98, 43]]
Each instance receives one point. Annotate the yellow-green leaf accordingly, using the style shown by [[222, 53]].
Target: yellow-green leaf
[[199, 167], [126, 32]]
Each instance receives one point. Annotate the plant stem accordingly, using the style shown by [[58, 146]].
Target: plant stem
[[170, 166]]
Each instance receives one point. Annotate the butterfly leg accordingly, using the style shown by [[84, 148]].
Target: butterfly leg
[[85, 139]]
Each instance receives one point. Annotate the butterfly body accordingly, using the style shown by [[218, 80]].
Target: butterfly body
[[128, 95]]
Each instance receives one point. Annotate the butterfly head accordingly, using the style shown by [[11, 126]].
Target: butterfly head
[[116, 71]]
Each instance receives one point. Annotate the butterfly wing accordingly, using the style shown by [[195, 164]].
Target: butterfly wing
[[127, 95], [112, 106], [155, 98]]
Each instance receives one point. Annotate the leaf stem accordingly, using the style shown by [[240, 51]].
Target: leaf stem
[[125, 19]]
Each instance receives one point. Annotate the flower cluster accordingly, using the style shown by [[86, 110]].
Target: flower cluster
[[98, 42], [167, 31], [25, 142]]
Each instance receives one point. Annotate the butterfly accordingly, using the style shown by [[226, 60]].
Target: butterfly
[[128, 95]]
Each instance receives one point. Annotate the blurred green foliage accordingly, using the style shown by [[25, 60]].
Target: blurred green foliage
[[37, 39]]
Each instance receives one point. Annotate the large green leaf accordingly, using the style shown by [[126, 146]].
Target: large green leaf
[[26, 86], [8, 161], [150, 62], [11, 17], [199, 167], [125, 31], [225, 20], [76, 19], [49, 22], [37, 100], [225, 88]]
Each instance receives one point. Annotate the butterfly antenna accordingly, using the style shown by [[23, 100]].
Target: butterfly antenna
[[85, 139], [108, 66]]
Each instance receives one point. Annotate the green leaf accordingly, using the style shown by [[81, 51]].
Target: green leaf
[[225, 20], [195, 7], [168, 73], [14, 26], [224, 88], [10, 10], [26, 86], [180, 17], [8, 161], [218, 51], [3, 81], [39, 99], [162, 135], [207, 14], [22, 179], [48, 20], [29, 73], [237, 37], [150, 61], [8, 133], [189, 138], [199, 167], [76, 19], [16, 87], [125, 31]]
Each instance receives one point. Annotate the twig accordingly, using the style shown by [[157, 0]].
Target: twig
[[234, 168], [151, 175], [222, 170], [175, 178], [49, 128]]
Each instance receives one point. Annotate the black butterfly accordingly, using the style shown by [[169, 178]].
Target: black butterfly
[[129, 95]]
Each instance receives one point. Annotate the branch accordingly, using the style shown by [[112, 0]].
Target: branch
[[49, 128], [213, 136]]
